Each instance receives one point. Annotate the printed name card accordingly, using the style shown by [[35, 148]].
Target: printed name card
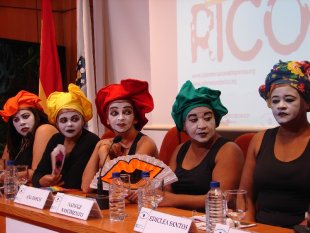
[[34, 197], [150, 221], [221, 228], [76, 207]]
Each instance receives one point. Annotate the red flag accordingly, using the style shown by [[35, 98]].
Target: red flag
[[50, 75]]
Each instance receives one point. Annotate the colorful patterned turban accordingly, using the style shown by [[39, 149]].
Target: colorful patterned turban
[[189, 98], [134, 90], [74, 99], [293, 73], [23, 99]]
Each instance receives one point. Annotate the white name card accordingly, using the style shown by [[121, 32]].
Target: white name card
[[34, 197], [151, 221], [76, 207], [221, 228]]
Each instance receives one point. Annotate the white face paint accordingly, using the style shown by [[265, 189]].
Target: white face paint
[[285, 103], [23, 121], [70, 123], [121, 116], [200, 124]]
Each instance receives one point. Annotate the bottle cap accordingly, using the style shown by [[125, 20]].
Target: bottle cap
[[214, 184], [115, 174], [9, 162], [145, 174]]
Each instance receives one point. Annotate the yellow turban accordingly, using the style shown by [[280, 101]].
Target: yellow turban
[[74, 99]]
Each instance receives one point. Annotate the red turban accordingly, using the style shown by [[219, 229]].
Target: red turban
[[23, 99], [136, 91]]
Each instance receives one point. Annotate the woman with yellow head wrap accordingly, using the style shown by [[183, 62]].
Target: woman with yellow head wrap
[[69, 111], [206, 156], [276, 172], [28, 130]]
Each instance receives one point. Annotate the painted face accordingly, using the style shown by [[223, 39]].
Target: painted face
[[70, 123], [121, 116], [23, 121], [285, 103], [200, 124]]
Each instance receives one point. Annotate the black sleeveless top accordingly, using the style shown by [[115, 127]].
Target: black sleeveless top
[[281, 189], [134, 144], [197, 180]]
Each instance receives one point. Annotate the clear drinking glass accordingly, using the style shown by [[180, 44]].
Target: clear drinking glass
[[236, 205], [2, 169], [22, 174], [158, 190]]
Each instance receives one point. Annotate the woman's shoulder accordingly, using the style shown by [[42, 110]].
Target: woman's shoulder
[[46, 130]]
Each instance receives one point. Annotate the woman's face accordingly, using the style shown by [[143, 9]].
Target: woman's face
[[70, 123], [121, 116], [285, 103], [200, 124], [23, 121]]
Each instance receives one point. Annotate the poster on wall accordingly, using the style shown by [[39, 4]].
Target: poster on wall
[[232, 45]]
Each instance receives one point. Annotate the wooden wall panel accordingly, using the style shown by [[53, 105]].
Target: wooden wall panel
[[19, 24], [22, 21]]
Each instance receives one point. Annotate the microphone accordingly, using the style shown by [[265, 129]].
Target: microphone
[[100, 191]]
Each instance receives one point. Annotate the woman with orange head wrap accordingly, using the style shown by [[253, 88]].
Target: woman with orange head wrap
[[122, 108], [69, 111], [28, 130]]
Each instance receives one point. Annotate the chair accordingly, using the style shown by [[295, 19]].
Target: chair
[[172, 139], [243, 142]]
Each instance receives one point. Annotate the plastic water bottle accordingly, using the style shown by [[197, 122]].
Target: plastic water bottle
[[146, 193], [10, 181], [215, 212], [116, 198]]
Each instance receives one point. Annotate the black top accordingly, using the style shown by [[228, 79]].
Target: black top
[[197, 180], [281, 189], [74, 163], [134, 144], [24, 157]]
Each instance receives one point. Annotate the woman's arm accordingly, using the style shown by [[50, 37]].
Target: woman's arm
[[42, 135], [5, 154], [95, 162], [147, 146], [228, 166], [246, 182]]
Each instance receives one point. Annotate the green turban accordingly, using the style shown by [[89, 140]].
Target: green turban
[[189, 98]]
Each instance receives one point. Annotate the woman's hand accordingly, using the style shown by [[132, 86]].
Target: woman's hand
[[51, 180], [132, 196]]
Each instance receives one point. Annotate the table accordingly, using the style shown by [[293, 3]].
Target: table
[[56, 222]]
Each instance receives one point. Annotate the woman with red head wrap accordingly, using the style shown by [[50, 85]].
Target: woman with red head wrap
[[122, 108], [28, 130]]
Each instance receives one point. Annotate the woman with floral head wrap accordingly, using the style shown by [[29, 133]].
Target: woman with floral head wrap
[[69, 111], [276, 172], [122, 108], [206, 156], [28, 130]]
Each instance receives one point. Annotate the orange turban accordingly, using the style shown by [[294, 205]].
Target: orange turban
[[23, 99], [136, 91]]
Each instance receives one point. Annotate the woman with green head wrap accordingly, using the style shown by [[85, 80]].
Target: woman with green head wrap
[[206, 156], [276, 172]]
